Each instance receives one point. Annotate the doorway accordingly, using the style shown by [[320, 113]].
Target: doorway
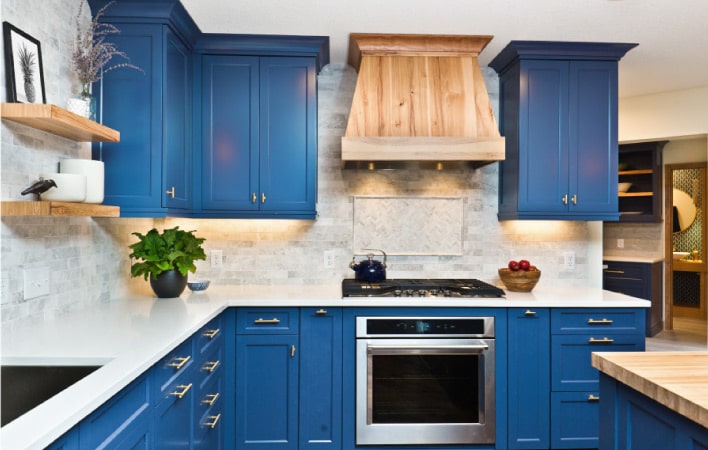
[[685, 222]]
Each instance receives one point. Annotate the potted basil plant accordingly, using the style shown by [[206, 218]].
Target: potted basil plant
[[166, 258]]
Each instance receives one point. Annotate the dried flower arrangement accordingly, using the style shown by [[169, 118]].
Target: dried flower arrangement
[[92, 53]]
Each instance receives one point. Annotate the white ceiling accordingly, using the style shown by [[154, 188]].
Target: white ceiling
[[672, 34]]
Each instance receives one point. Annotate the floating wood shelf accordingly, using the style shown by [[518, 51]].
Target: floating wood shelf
[[59, 121], [52, 208], [636, 194]]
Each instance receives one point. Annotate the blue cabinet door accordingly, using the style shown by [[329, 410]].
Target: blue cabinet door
[[575, 419], [529, 375], [130, 102], [321, 379], [543, 147], [592, 138], [288, 134], [266, 392], [177, 124], [229, 136]]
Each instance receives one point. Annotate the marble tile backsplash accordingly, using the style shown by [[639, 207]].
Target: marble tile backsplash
[[87, 258]]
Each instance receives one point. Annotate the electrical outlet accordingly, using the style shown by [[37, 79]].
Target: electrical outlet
[[569, 260], [36, 282], [620, 243], [329, 259], [217, 259]]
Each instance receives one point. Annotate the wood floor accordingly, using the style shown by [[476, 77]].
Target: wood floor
[[688, 334]]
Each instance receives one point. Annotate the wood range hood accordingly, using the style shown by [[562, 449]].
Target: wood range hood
[[419, 100]]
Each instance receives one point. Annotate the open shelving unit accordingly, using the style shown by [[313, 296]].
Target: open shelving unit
[[642, 202], [58, 121]]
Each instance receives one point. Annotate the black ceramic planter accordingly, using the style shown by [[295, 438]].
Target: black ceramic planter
[[168, 284]]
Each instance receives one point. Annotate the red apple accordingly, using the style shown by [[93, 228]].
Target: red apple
[[524, 265], [513, 266]]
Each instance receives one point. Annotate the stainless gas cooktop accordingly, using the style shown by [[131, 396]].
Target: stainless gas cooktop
[[420, 288]]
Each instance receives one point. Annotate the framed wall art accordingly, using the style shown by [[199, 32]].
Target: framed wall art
[[23, 66]]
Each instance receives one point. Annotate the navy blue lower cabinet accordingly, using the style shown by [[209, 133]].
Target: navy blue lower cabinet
[[320, 379], [529, 386], [630, 420], [266, 392], [123, 421], [575, 384]]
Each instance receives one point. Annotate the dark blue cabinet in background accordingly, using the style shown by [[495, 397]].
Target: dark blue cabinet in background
[[559, 117]]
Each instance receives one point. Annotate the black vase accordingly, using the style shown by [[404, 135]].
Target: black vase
[[168, 284]]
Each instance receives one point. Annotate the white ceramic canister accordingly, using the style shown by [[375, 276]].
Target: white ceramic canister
[[71, 187], [94, 172]]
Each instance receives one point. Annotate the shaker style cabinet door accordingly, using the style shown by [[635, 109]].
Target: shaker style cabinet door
[[148, 172], [229, 135], [288, 134], [177, 126], [129, 102], [529, 377]]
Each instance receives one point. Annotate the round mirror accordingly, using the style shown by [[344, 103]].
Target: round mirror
[[684, 211]]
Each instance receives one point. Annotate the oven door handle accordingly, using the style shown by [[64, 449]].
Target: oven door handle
[[398, 349]]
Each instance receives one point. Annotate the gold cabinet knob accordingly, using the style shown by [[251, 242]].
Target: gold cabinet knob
[[171, 192]]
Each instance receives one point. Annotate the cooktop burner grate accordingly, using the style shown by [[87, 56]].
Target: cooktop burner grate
[[421, 288]]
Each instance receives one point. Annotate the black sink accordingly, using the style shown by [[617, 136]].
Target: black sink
[[24, 387]]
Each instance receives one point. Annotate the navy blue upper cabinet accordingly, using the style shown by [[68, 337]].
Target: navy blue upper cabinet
[[259, 136], [559, 116], [149, 172]]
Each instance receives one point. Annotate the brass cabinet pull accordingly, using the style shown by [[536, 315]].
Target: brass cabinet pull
[[604, 340], [261, 321], [209, 399], [263, 197], [253, 197], [211, 334], [321, 312], [212, 421], [575, 199], [565, 199], [593, 398], [530, 313], [171, 192], [179, 362], [603, 321], [614, 271], [210, 366], [292, 351], [183, 392]]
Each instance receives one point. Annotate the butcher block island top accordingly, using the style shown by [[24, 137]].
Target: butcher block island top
[[677, 380]]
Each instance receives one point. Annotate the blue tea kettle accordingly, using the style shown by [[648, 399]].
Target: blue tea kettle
[[369, 270]]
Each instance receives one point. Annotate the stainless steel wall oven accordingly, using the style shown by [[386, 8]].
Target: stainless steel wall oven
[[425, 380]]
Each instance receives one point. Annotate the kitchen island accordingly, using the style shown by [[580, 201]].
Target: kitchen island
[[127, 336], [653, 400]]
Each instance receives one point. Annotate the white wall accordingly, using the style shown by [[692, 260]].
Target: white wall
[[666, 115]]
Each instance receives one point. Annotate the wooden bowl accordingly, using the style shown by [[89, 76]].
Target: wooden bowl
[[520, 280]]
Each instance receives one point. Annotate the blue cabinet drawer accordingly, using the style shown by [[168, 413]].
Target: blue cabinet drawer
[[267, 321], [211, 366], [575, 419], [596, 320], [174, 365], [209, 415], [571, 358], [209, 335], [128, 411]]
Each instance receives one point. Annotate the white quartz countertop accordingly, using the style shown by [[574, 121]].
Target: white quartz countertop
[[126, 336], [638, 259]]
